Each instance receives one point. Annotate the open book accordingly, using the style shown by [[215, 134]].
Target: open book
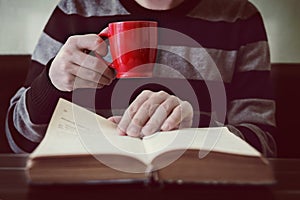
[[81, 146]]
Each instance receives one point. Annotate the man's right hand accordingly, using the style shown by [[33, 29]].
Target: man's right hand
[[73, 68]]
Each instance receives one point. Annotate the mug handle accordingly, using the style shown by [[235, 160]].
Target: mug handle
[[105, 34]]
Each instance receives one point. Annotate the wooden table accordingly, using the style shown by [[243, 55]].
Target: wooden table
[[13, 185]]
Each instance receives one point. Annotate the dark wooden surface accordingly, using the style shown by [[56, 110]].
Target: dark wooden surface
[[14, 185]]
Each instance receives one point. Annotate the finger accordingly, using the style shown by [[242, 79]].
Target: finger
[[79, 58], [102, 48], [94, 64], [115, 119], [132, 109], [77, 45], [90, 75], [91, 42], [82, 83], [144, 112], [160, 115], [147, 102], [140, 118], [181, 116], [138, 102], [64, 82]]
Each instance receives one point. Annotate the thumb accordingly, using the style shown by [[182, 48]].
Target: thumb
[[115, 119]]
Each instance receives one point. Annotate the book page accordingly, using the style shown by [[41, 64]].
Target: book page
[[218, 139], [74, 130]]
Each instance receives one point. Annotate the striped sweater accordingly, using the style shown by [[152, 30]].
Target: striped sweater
[[212, 53]]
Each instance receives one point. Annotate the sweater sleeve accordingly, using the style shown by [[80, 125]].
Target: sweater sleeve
[[31, 107], [251, 104]]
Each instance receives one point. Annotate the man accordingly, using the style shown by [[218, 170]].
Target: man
[[230, 31]]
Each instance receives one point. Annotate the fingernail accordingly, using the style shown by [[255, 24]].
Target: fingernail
[[165, 127], [133, 131], [148, 130], [120, 132]]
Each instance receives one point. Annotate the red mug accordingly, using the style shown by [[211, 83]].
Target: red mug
[[133, 46]]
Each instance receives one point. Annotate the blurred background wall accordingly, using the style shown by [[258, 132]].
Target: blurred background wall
[[23, 20]]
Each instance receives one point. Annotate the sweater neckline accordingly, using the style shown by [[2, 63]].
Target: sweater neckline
[[182, 9]]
